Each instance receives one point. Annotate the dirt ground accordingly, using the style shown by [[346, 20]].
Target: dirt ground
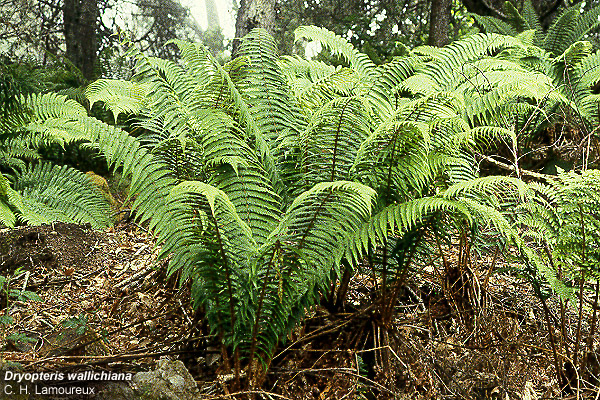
[[107, 303], [105, 299]]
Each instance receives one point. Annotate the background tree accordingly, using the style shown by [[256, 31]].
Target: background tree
[[80, 25], [439, 22], [155, 22], [380, 28], [254, 14], [545, 9], [30, 29], [213, 36], [83, 31]]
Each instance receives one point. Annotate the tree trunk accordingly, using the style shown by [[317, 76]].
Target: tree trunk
[[254, 14], [212, 15], [80, 22], [439, 22]]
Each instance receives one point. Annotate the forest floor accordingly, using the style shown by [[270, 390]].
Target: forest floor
[[108, 304]]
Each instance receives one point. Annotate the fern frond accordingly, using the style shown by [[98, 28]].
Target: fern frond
[[399, 219], [533, 20], [319, 221], [569, 27], [240, 244], [515, 18], [331, 141], [339, 46], [119, 96], [314, 82], [383, 94], [559, 34], [51, 105], [586, 24], [7, 214], [494, 25], [270, 103], [59, 193], [487, 185], [448, 67]]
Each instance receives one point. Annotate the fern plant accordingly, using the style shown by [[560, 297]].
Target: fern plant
[[427, 112], [569, 27], [560, 53], [257, 243], [267, 180], [561, 221], [573, 76], [487, 74], [31, 190]]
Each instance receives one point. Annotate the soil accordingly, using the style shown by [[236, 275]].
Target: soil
[[107, 303], [45, 247], [103, 294]]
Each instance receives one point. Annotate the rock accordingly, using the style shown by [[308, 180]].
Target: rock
[[116, 391], [170, 381]]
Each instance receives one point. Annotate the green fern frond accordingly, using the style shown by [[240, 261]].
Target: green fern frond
[[314, 83], [7, 214], [51, 105], [383, 94], [54, 193], [272, 107], [569, 27], [319, 221], [588, 71], [199, 62], [487, 185], [331, 141], [231, 227], [425, 52], [448, 68], [515, 18], [557, 38], [494, 25], [339, 46], [120, 97], [532, 19], [399, 219], [586, 24]]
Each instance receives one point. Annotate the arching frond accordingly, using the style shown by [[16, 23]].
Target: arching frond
[[331, 141], [448, 67], [319, 221], [494, 25], [486, 186], [119, 96], [569, 27], [54, 193], [383, 94], [234, 236], [270, 103], [314, 83], [532, 19], [339, 46], [399, 219]]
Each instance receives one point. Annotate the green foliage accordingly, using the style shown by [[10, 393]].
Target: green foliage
[[32, 191], [265, 177], [570, 26], [8, 294], [562, 218]]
